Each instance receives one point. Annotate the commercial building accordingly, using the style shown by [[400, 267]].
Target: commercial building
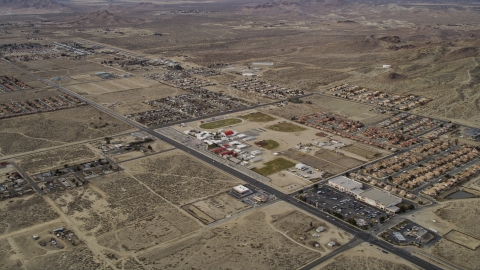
[[241, 189], [374, 197], [301, 166], [345, 184], [380, 199], [228, 133]]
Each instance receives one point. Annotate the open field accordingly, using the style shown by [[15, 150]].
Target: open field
[[43, 161], [111, 86], [274, 166], [253, 240], [258, 117], [28, 94], [289, 111], [24, 212], [28, 133], [362, 151], [132, 101], [462, 213], [463, 239], [286, 127], [8, 257], [345, 108], [180, 178], [219, 206], [365, 256], [123, 214], [221, 123], [457, 254], [325, 160]]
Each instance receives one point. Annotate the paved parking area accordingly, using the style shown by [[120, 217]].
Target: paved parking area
[[326, 197], [412, 233]]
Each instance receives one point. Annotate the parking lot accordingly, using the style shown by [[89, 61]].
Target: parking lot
[[409, 232], [326, 197]]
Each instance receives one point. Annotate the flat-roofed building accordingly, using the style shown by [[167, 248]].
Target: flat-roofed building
[[345, 184], [380, 199], [241, 189]]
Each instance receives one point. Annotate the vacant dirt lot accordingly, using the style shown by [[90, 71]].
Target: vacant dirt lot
[[111, 86], [32, 132], [302, 228], [457, 254], [219, 206], [248, 241], [132, 101], [462, 239], [354, 111], [43, 161], [362, 151], [21, 213], [325, 160], [289, 111], [8, 257], [28, 94], [79, 258], [180, 178], [462, 213], [365, 256], [132, 219]]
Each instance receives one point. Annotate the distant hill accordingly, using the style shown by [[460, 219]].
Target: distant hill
[[303, 5], [145, 6], [112, 7], [46, 5], [101, 17]]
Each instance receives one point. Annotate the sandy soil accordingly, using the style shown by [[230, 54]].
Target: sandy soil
[[32, 132], [20, 213], [452, 215], [220, 206], [43, 161], [365, 256], [180, 178], [251, 240], [131, 101]]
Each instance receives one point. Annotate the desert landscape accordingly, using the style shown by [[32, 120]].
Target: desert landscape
[[300, 134]]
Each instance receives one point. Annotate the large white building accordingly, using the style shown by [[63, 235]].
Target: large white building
[[345, 184], [380, 199], [374, 197]]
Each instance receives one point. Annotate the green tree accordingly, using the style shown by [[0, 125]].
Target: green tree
[[352, 221], [315, 186]]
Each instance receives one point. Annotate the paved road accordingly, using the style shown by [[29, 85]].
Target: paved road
[[353, 243], [30, 181], [352, 230]]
